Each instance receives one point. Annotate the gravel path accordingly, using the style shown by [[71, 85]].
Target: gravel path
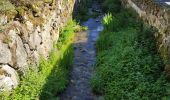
[[84, 60]]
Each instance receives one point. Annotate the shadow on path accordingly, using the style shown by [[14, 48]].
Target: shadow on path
[[84, 60]]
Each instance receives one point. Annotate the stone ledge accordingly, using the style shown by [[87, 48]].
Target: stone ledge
[[25, 38]]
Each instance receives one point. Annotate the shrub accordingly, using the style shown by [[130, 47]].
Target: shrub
[[113, 6], [128, 65]]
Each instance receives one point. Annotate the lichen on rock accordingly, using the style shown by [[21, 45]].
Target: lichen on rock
[[28, 29]]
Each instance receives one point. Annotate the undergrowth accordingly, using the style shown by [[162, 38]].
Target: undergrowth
[[128, 66], [113, 6], [81, 10], [52, 75]]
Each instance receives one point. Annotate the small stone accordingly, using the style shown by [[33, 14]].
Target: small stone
[[72, 81], [83, 50], [74, 97], [97, 21]]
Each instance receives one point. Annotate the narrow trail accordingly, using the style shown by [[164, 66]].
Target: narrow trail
[[84, 60]]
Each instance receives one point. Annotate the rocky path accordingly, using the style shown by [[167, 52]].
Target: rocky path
[[84, 59]]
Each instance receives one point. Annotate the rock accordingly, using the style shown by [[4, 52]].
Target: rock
[[97, 20], [30, 38], [3, 19], [47, 43], [83, 50], [29, 25], [34, 40], [72, 81], [8, 78], [5, 54], [12, 35], [21, 55], [35, 57]]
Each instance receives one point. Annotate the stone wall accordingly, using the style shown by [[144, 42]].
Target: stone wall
[[158, 16], [28, 36]]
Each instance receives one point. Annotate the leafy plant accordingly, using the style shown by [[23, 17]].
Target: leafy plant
[[52, 75], [128, 66], [110, 22]]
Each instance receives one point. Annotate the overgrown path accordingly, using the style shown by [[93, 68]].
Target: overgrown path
[[84, 59]]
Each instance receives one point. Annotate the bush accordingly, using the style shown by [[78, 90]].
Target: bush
[[128, 65], [110, 6], [81, 13]]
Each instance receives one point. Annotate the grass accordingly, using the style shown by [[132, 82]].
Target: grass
[[53, 73], [113, 6], [128, 66], [81, 13]]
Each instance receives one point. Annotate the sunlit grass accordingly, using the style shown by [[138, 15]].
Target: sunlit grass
[[52, 75]]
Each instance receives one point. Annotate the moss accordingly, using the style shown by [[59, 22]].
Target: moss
[[11, 8], [36, 20], [21, 10], [1, 30], [8, 9], [6, 6], [48, 1], [7, 40]]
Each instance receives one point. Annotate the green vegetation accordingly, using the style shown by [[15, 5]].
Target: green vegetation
[[17, 8], [113, 6], [81, 10], [52, 75], [128, 66], [6, 6]]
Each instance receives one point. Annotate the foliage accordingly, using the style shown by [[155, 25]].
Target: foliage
[[110, 22], [128, 66], [17, 8], [81, 11], [6, 6], [52, 75], [112, 6]]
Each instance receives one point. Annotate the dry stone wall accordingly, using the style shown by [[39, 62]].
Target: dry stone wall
[[29, 36], [158, 16]]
